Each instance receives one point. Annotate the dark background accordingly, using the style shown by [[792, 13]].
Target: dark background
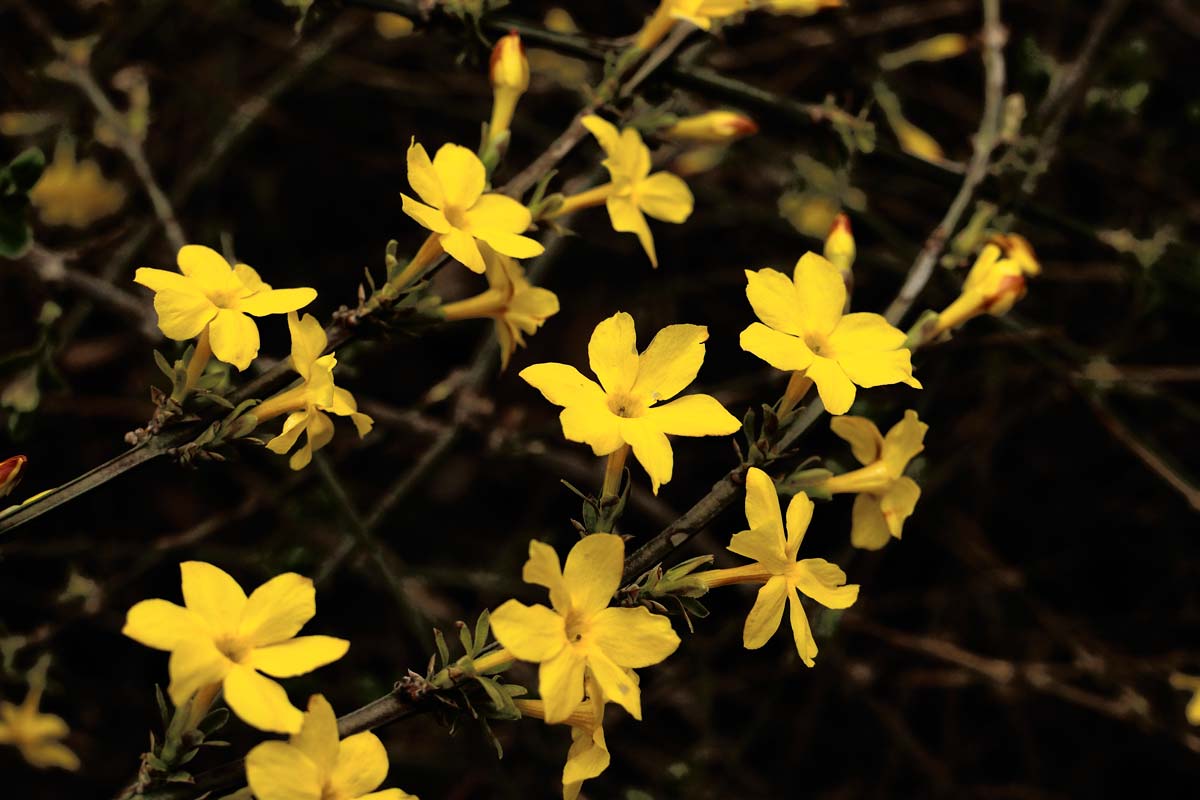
[[1016, 643]]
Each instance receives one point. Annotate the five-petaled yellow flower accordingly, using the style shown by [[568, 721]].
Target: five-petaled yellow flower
[[994, 284], [314, 765], [212, 298], [223, 639], [588, 756], [458, 211], [785, 577], [621, 410], [803, 329], [516, 306], [633, 191], [36, 734], [308, 402], [581, 634], [886, 497], [74, 193]]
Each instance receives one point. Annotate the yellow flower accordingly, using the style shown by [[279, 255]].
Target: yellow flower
[[509, 73], [36, 734], [1189, 683], [885, 496], [712, 127], [314, 765], [74, 193], [392, 26], [701, 13], [517, 306], [839, 246], [309, 401], [588, 756], [994, 284], [802, 8], [212, 297], [621, 410], [581, 634], [805, 330], [223, 638], [776, 565], [458, 211], [12, 469], [633, 191]]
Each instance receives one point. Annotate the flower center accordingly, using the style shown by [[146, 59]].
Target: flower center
[[818, 344], [625, 405], [235, 648], [577, 627], [456, 216]]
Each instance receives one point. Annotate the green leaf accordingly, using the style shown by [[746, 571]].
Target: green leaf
[[27, 168], [482, 628], [442, 649], [464, 636]]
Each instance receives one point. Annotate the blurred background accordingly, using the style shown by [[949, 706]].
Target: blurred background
[[1019, 640]]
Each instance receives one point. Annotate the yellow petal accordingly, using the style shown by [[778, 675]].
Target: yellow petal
[[616, 682], [278, 609], [823, 582], [898, 504], [560, 682], [626, 217], [318, 434], [510, 244], [422, 177], [764, 545], [765, 616], [821, 293], [799, 516], [234, 338], [531, 633], [249, 278], [308, 342], [762, 505], [542, 569], [182, 315], [426, 216], [806, 646], [634, 637], [594, 424], [500, 213], [160, 280], [318, 736], [461, 174], [868, 528], [863, 332], [279, 771], [161, 624], [44, 754], [214, 596], [694, 415], [836, 389], [780, 350], [298, 656], [462, 247], [563, 385], [293, 426], [612, 353], [879, 369], [260, 701], [195, 664], [866, 442], [665, 196], [587, 758], [592, 573], [651, 448], [903, 442], [671, 361], [277, 301], [207, 267], [773, 297], [605, 132], [362, 764]]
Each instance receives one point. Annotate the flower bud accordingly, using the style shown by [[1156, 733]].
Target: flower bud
[[994, 284], [509, 73], [713, 127], [839, 245], [11, 471]]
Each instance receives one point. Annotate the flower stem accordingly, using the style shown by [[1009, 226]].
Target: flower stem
[[292, 399], [586, 199], [485, 304], [425, 257], [195, 368], [748, 573], [873, 478], [202, 701], [493, 659], [614, 470], [655, 28], [797, 388]]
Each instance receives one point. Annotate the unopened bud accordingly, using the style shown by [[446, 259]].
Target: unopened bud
[[713, 127], [11, 471], [839, 245], [509, 72]]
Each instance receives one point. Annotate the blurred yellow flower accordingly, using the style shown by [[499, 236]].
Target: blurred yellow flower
[[224, 640], [994, 284], [801, 8], [516, 306], [622, 409], [1189, 683], [314, 765], [458, 211], [805, 330], [307, 403], [581, 635], [74, 193], [33, 733], [775, 566], [886, 498], [701, 13], [588, 756], [392, 26], [509, 73], [212, 300], [711, 127], [633, 191]]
